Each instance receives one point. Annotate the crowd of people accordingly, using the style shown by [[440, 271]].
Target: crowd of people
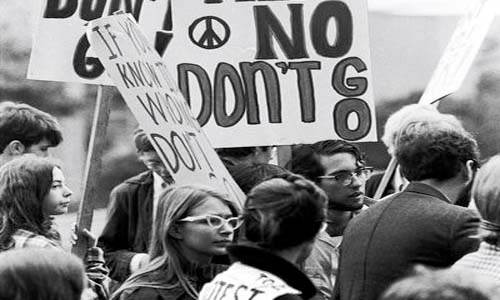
[[308, 230]]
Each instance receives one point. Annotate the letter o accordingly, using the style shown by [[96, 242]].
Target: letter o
[[343, 109], [175, 136]]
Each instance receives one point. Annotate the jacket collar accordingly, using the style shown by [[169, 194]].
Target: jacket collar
[[423, 188], [269, 262], [143, 178]]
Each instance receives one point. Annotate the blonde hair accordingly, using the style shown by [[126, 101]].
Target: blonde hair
[[486, 194], [412, 119], [165, 253]]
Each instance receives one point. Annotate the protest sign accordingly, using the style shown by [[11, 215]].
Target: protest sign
[[460, 51], [275, 72], [60, 49], [254, 72], [142, 78]]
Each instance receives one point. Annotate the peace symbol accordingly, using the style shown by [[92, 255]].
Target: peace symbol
[[214, 32]]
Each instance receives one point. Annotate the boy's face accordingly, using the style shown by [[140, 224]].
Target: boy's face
[[40, 149], [153, 162]]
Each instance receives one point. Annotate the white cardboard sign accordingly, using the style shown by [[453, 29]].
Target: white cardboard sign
[[460, 51], [142, 78], [254, 72]]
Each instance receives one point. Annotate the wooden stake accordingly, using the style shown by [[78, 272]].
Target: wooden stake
[[93, 168]]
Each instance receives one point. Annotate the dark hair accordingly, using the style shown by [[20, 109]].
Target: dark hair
[[435, 154], [283, 212], [249, 175], [305, 157], [238, 152], [40, 274], [24, 183], [446, 284], [26, 124], [142, 142]]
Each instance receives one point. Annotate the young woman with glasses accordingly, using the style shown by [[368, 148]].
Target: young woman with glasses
[[282, 217], [193, 225]]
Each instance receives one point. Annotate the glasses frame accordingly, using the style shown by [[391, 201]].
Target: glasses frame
[[358, 173], [224, 221]]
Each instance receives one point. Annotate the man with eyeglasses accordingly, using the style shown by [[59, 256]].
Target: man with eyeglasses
[[338, 167], [426, 223], [131, 211]]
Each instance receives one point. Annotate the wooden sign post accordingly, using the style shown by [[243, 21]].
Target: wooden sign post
[[93, 167]]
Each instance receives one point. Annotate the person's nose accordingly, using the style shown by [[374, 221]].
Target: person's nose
[[226, 228], [357, 182], [67, 192]]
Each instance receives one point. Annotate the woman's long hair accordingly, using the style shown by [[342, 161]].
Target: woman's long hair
[[165, 252], [24, 183]]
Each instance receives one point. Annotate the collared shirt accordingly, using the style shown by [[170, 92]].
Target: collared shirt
[[159, 185], [398, 181], [27, 239], [322, 264]]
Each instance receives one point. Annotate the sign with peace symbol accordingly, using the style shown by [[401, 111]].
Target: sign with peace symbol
[[209, 32]]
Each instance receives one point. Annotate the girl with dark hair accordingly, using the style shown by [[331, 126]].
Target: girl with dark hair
[[193, 224], [32, 190], [282, 217]]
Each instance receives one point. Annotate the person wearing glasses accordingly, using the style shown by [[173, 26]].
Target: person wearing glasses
[[427, 223], [193, 225], [281, 220], [339, 169]]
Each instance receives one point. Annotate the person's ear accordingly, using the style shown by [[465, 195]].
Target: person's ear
[[470, 170], [14, 148], [176, 231]]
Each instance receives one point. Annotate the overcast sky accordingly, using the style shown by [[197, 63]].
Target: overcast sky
[[420, 7]]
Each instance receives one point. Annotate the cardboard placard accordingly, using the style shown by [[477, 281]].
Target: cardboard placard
[[142, 78]]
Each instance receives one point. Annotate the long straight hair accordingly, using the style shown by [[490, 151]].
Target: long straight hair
[[24, 183], [165, 253]]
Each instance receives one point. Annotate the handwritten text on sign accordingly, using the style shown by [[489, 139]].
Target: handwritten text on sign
[[275, 72], [143, 80]]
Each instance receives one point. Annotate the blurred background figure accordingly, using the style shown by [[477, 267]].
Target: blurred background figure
[[486, 195], [233, 157], [426, 284], [42, 274], [249, 175], [193, 225], [282, 217], [130, 217]]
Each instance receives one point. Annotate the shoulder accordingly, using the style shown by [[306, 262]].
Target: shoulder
[[141, 293], [142, 179], [27, 239]]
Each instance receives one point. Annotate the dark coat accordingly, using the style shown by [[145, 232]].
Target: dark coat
[[384, 242], [128, 227]]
